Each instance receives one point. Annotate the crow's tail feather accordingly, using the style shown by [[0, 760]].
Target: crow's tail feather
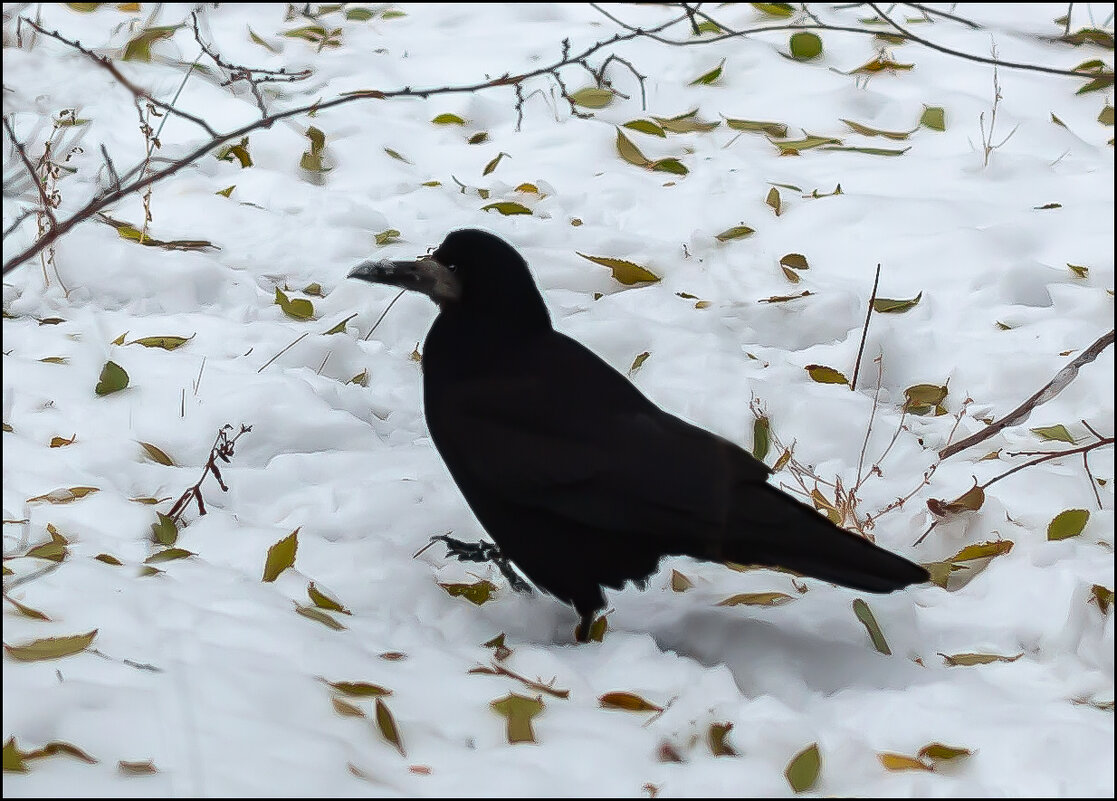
[[769, 527]]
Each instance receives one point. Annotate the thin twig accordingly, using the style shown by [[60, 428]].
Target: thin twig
[[865, 330], [1049, 391]]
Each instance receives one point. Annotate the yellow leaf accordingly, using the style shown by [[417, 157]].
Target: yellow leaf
[[626, 272], [518, 710], [281, 556], [50, 647], [757, 599], [822, 374], [627, 701]]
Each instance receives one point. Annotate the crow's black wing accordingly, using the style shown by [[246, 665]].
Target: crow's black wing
[[553, 429]]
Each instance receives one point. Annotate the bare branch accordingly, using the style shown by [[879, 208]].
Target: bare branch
[[865, 331], [1049, 391], [48, 206], [107, 64]]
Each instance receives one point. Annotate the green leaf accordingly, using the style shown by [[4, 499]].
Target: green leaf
[[1106, 115], [323, 601], [298, 309], [865, 615], [113, 379], [671, 165], [933, 117], [108, 559], [969, 660], [1103, 81], [774, 129], [50, 647], [626, 272], [646, 126], [938, 752], [166, 343], [318, 615], [773, 200], [803, 769], [629, 152], [592, 97], [226, 191], [492, 165], [638, 362], [25, 610], [822, 374], [83, 8], [1079, 270], [168, 555], [387, 726], [139, 48], [792, 147], [774, 9], [629, 702], [805, 46], [281, 556], [395, 154], [164, 531], [865, 130], [260, 41], [478, 138], [760, 438], [507, 207], [448, 119], [359, 689], [924, 399], [707, 78], [360, 379], [890, 306], [64, 495], [1103, 596], [518, 710], [13, 757], [359, 14], [1096, 36], [686, 123], [757, 599], [476, 593], [1057, 433], [871, 151], [387, 237], [62, 442], [340, 327], [796, 261], [237, 152], [716, 739], [1068, 523], [969, 501], [736, 232]]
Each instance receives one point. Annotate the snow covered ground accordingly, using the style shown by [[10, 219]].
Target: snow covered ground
[[213, 676]]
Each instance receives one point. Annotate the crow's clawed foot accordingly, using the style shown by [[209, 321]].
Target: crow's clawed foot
[[483, 552]]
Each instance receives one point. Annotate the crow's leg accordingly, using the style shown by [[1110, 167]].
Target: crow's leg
[[587, 608], [483, 552]]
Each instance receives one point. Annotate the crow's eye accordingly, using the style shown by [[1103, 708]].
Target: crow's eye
[[451, 267]]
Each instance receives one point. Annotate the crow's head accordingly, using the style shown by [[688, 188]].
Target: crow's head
[[472, 272]]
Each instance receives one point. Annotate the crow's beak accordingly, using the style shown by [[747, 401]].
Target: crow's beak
[[426, 275]]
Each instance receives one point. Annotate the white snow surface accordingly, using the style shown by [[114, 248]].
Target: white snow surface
[[237, 705]]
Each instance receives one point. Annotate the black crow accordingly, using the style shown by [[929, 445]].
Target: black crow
[[579, 479]]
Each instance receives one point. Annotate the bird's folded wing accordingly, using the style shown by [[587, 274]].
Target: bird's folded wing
[[584, 445]]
